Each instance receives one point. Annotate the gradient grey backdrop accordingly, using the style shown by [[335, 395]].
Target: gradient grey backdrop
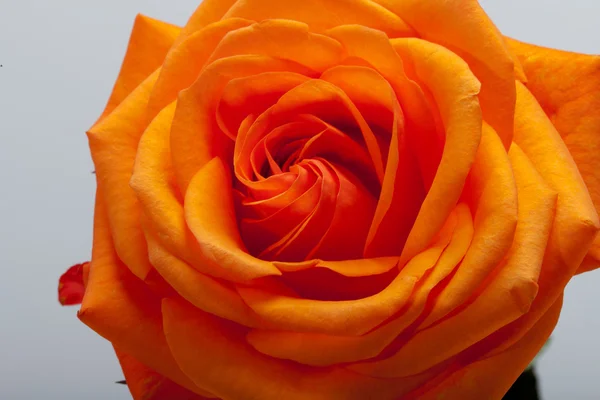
[[59, 60]]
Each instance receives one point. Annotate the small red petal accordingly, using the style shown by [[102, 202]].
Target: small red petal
[[70, 285]]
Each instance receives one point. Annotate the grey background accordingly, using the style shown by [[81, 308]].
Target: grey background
[[60, 59]]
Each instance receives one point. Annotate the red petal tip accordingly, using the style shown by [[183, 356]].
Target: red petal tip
[[70, 285]]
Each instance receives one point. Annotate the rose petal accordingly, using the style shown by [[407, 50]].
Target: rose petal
[[208, 12], [119, 134], [209, 213], [211, 352], [319, 98], [567, 86], [338, 147], [402, 191], [195, 134], [492, 194], [577, 221], [252, 95], [288, 39], [186, 59], [120, 308], [455, 90], [464, 28], [374, 48], [153, 183], [209, 294], [146, 384], [349, 268], [149, 43], [493, 375], [350, 317], [345, 237], [507, 296], [302, 240], [71, 285], [322, 283], [326, 349], [321, 16], [303, 197]]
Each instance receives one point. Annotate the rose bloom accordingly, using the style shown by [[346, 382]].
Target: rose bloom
[[338, 199]]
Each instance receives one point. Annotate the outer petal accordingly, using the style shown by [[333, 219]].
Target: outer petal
[[208, 11], [71, 286], [146, 384], [463, 27], [455, 90], [322, 15], [185, 61], [212, 352], [149, 43], [113, 144], [122, 309], [209, 294], [508, 296], [118, 131], [290, 40], [577, 219], [492, 193], [493, 375], [567, 86]]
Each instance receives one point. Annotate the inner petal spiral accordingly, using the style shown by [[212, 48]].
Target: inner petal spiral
[[310, 161]]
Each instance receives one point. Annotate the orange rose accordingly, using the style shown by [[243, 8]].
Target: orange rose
[[339, 199]]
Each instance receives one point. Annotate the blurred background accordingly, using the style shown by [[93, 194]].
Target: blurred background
[[59, 60]]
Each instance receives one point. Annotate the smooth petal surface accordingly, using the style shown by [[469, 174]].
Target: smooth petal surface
[[321, 16], [288, 39], [577, 220], [149, 43], [350, 317], [252, 95], [494, 375], [455, 90], [208, 12], [71, 285], [492, 194], [153, 182], [463, 27], [567, 86], [195, 134], [145, 384], [113, 144], [209, 214], [186, 59], [328, 349], [506, 297], [119, 307], [420, 118], [402, 191], [212, 351], [209, 294]]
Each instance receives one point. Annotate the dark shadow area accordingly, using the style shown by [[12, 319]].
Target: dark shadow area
[[525, 387]]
